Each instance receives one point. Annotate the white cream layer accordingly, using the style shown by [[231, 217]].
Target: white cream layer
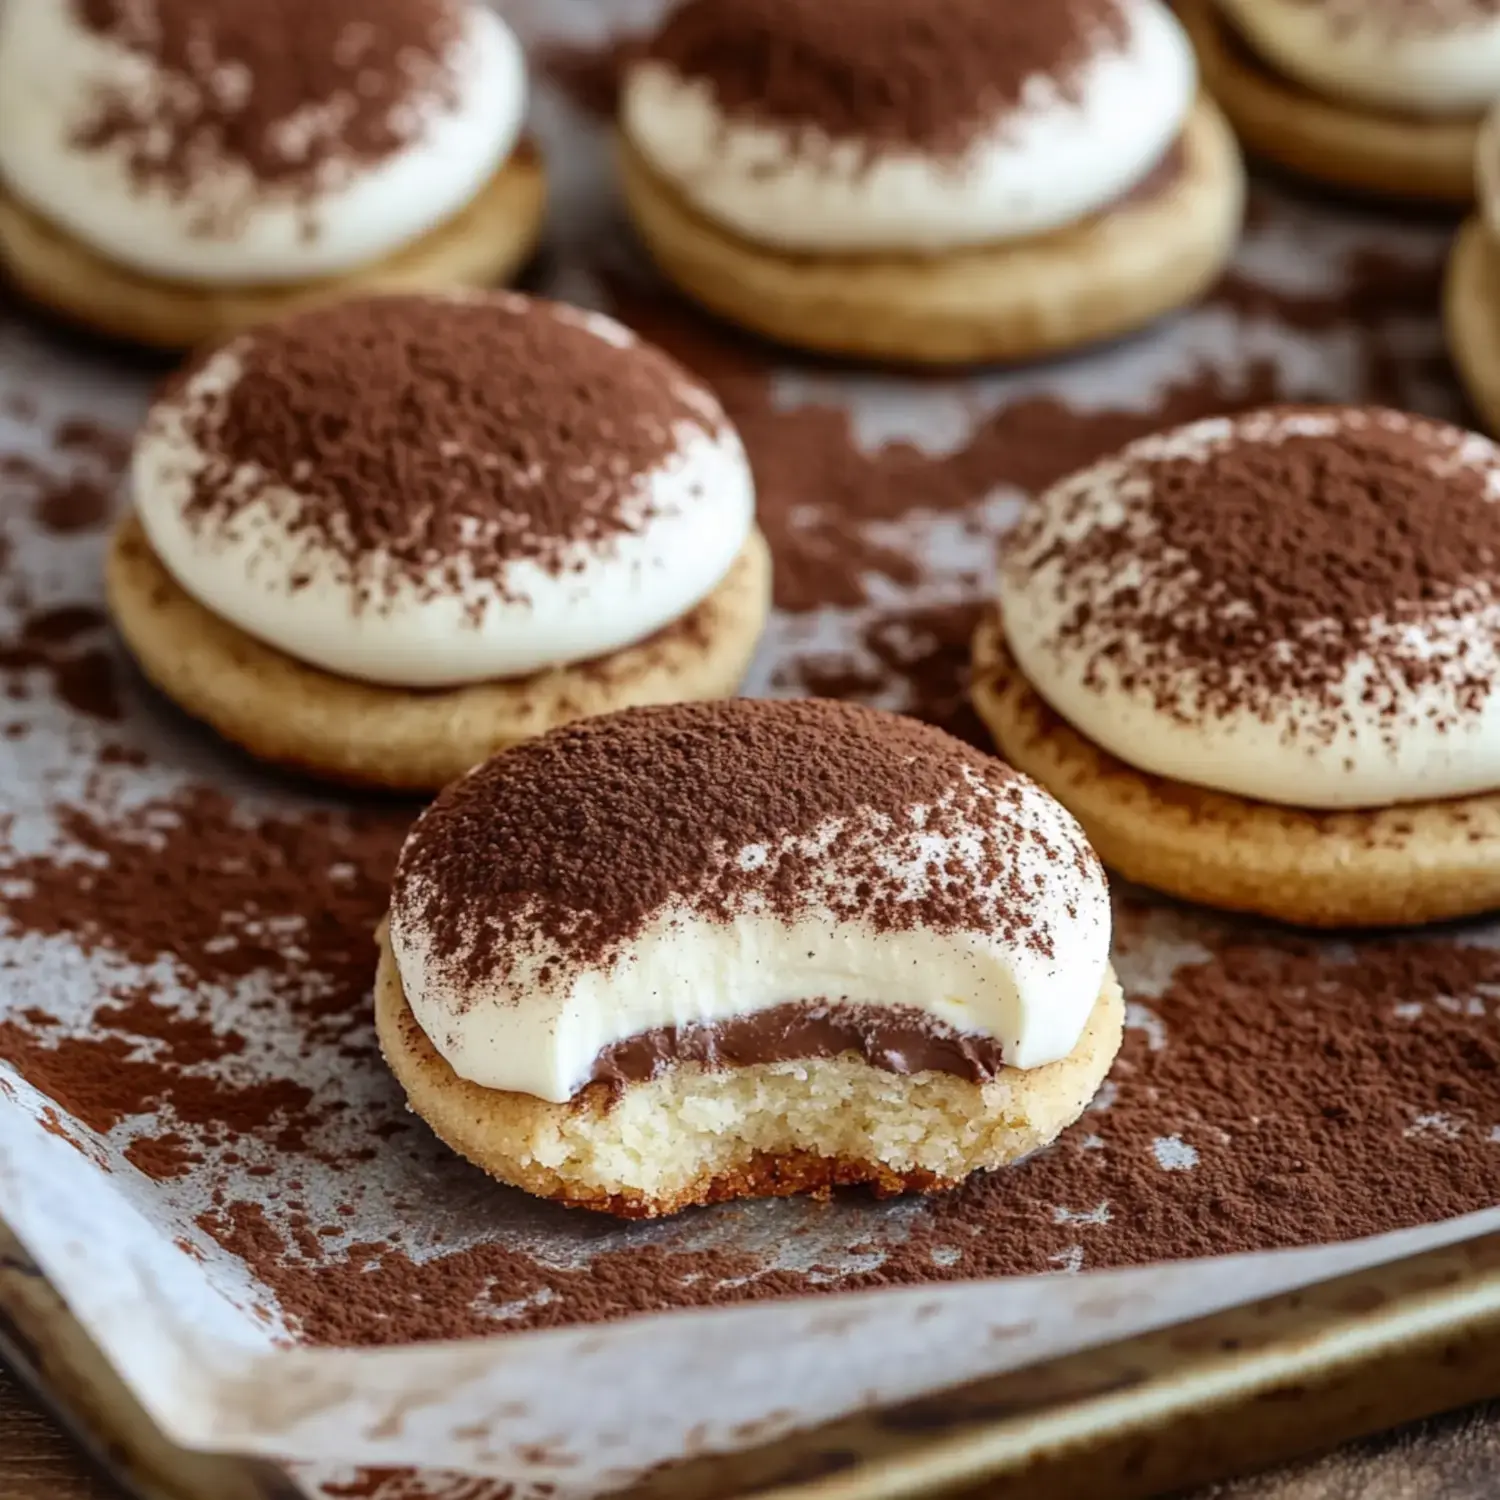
[[692, 517], [1052, 162], [1446, 66], [537, 1025], [230, 228], [1280, 756]]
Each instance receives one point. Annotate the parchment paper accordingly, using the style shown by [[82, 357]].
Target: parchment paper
[[209, 1351]]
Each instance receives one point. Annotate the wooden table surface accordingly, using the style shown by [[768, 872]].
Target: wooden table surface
[[1456, 1457], [36, 1460]]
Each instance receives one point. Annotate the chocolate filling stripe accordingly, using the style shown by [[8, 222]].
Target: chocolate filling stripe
[[897, 1039]]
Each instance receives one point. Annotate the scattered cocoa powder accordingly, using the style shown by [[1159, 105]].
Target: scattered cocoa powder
[[589, 75], [162, 1157], [82, 496], [1273, 1095], [59, 643]]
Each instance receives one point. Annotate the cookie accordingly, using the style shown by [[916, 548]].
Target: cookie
[[172, 176], [487, 242], [1396, 154], [1257, 657], [710, 951], [292, 715], [381, 538], [784, 1139], [1112, 273], [1384, 867], [890, 182]]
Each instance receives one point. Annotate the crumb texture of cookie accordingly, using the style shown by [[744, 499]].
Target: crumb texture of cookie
[[804, 938], [697, 1135], [1348, 138], [245, 143]]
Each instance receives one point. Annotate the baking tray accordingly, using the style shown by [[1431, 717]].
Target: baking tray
[[1161, 1410], [1235, 1393]]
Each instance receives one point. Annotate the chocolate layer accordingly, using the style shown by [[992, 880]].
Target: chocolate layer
[[898, 1039]]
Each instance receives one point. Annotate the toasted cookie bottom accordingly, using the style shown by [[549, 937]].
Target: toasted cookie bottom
[[1395, 866], [1471, 317], [1106, 275], [365, 734], [695, 1136], [1402, 156], [486, 242]]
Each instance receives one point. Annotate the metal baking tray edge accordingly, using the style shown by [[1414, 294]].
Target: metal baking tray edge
[[1236, 1392]]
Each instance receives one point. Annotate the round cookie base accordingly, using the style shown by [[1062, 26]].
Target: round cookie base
[[1093, 280], [1387, 867], [485, 243], [1397, 156], [297, 716], [1471, 317], [695, 1136]]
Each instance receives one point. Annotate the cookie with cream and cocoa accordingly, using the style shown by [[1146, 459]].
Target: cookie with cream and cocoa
[[381, 539], [172, 171], [931, 182], [720, 950], [1259, 658], [1383, 96]]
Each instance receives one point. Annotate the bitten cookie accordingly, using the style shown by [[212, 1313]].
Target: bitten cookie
[[172, 171], [1380, 96], [709, 951], [380, 540], [933, 184], [1259, 658]]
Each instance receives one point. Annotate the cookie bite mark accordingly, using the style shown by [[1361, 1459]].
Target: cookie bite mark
[[413, 499], [234, 158], [1294, 609], [809, 913], [892, 148]]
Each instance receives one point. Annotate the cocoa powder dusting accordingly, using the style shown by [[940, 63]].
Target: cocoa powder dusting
[[291, 96], [436, 442], [885, 73], [1340, 533], [573, 842]]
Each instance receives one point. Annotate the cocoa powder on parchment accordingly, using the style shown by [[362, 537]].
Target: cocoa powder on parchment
[[187, 942]]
